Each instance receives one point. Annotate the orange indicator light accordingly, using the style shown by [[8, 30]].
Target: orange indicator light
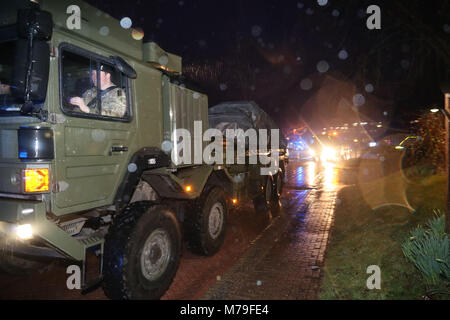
[[36, 180]]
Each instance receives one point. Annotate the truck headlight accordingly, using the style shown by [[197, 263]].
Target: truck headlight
[[24, 231]]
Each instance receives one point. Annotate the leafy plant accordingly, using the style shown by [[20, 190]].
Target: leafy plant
[[427, 249], [428, 152]]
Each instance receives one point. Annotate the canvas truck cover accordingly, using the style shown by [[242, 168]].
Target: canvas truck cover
[[240, 115]]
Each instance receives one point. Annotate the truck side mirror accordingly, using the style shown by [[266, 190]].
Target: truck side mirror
[[124, 67], [32, 55], [38, 72], [36, 22]]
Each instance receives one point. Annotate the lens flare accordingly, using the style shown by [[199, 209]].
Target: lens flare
[[137, 34]]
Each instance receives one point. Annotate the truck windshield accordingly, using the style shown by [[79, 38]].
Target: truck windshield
[[9, 104]]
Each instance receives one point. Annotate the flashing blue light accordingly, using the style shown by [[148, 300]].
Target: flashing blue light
[[23, 155]]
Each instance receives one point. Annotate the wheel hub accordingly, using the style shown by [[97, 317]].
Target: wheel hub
[[215, 221], [155, 254]]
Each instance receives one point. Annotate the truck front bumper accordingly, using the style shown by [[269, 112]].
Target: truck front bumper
[[14, 213]]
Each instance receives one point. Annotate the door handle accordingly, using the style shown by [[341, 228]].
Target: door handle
[[119, 149]]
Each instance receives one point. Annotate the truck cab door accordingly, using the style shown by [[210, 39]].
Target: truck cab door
[[92, 149]]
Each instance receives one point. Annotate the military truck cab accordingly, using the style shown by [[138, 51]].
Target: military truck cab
[[86, 123]]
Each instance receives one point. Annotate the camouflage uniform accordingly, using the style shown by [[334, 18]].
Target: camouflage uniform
[[114, 102]]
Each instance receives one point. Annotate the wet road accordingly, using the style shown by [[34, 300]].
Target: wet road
[[285, 261], [262, 257]]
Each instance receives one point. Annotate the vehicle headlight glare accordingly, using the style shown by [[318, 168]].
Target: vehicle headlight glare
[[328, 154], [24, 231]]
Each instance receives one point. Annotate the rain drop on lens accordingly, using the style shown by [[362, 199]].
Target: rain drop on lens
[[358, 100], [126, 23], [104, 31], [369, 88], [132, 167], [163, 60], [166, 146], [323, 66], [343, 54], [306, 84], [256, 31]]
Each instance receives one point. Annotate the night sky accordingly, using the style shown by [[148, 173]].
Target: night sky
[[312, 61]]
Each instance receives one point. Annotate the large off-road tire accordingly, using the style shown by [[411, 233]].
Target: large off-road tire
[[142, 252], [16, 264], [283, 178], [262, 202], [277, 189], [207, 226]]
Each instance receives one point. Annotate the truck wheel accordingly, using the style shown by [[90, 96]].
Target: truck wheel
[[142, 253], [283, 178], [275, 203], [262, 202], [208, 226]]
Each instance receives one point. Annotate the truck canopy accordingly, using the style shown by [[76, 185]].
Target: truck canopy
[[239, 115]]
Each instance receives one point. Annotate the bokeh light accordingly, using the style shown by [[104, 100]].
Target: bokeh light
[[137, 34]]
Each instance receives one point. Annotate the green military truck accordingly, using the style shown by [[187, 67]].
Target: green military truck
[[73, 179]]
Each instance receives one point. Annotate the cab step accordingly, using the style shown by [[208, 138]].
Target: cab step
[[92, 285]]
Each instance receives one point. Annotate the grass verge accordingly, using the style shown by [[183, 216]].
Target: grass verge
[[368, 232]]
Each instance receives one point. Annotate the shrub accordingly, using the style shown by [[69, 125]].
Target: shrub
[[429, 151], [427, 249]]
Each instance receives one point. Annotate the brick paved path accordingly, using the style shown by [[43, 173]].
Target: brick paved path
[[284, 262]]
